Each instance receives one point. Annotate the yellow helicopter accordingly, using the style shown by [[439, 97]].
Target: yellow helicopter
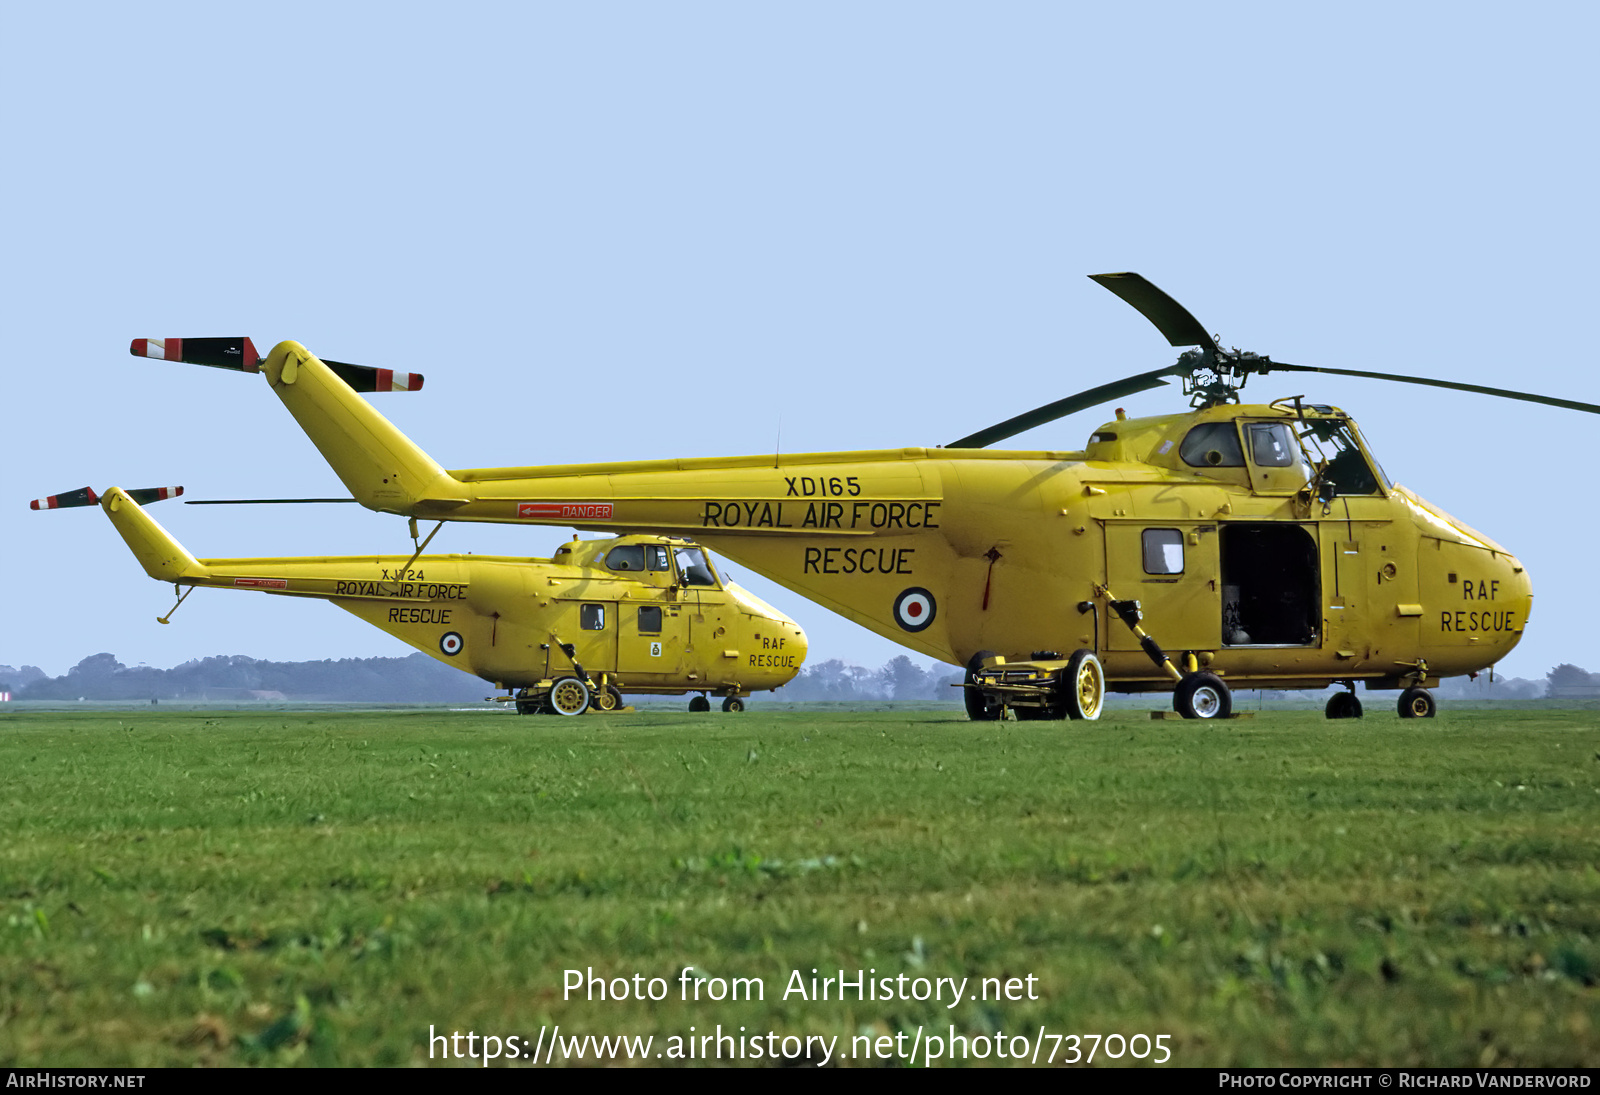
[[644, 613], [1230, 545]]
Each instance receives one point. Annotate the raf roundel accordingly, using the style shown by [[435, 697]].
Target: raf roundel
[[915, 609], [451, 643]]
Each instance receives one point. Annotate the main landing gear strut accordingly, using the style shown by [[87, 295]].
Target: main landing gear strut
[[1200, 694]]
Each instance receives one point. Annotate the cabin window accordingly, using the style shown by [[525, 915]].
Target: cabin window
[[1163, 551], [1212, 445], [656, 557], [650, 620], [1271, 445], [626, 557], [592, 617]]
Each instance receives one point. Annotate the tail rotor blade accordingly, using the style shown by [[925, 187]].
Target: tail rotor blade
[[238, 354], [145, 495], [364, 378], [84, 496]]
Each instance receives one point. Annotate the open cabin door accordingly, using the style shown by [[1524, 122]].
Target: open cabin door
[[1271, 585]]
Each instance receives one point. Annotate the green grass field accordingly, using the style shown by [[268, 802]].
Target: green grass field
[[232, 887]]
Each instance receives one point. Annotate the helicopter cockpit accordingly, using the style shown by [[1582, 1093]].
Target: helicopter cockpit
[[1332, 444], [1277, 457], [662, 560], [694, 568]]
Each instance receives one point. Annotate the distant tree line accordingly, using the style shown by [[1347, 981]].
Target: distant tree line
[[421, 679], [414, 679], [899, 679]]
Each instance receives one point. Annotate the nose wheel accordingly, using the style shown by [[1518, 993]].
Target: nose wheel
[[1417, 703]]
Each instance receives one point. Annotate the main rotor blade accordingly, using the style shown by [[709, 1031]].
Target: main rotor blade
[[1171, 318], [1503, 393], [261, 501], [1063, 407]]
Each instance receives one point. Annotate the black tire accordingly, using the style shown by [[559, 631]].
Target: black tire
[[733, 705], [1343, 705], [608, 699], [699, 705], [1417, 703], [1202, 696], [1033, 714], [568, 696], [1083, 686], [979, 709]]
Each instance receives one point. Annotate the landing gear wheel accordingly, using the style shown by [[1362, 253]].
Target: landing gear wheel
[[607, 699], [1202, 696], [569, 696], [980, 709], [1417, 703], [1343, 705], [698, 705], [733, 705], [1083, 685], [1031, 714]]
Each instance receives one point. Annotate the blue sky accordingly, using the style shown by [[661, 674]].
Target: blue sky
[[632, 230]]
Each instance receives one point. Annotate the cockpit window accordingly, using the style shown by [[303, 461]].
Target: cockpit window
[[1212, 445], [695, 567], [1333, 441], [1271, 445]]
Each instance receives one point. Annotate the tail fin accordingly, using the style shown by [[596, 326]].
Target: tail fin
[[162, 557], [383, 469]]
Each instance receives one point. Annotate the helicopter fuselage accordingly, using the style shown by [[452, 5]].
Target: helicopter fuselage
[[1261, 543], [1254, 568]]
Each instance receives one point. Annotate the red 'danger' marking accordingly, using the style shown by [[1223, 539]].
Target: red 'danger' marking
[[582, 511], [262, 583]]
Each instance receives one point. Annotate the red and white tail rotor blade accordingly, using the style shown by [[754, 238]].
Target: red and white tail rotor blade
[[145, 495], [86, 496], [83, 496], [238, 354]]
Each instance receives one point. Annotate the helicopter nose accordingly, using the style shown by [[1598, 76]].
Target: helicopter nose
[[797, 643], [785, 653]]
